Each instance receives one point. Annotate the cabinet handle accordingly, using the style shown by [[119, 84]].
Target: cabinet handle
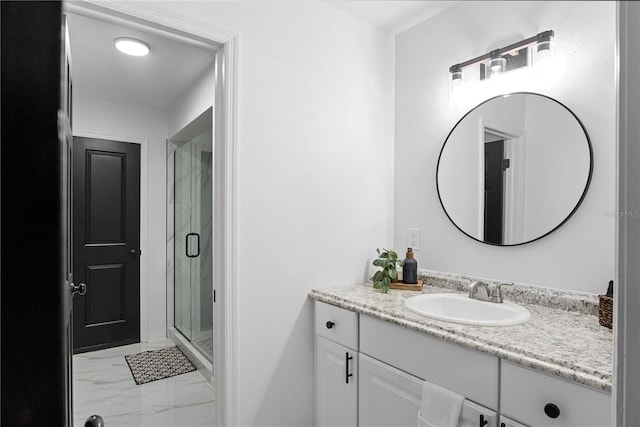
[[551, 410], [483, 422], [347, 358], [329, 324], [503, 425]]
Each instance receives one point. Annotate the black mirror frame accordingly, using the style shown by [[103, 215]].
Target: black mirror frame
[[584, 192]]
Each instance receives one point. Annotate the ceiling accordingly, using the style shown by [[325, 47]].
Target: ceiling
[[176, 62], [153, 81], [394, 16]]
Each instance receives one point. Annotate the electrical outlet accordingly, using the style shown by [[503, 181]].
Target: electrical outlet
[[413, 238]]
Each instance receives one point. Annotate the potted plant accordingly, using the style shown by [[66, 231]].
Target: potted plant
[[388, 261]]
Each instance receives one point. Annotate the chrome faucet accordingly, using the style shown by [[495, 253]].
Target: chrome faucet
[[480, 291]]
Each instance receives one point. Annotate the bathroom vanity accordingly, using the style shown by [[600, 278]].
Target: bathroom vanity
[[373, 355]]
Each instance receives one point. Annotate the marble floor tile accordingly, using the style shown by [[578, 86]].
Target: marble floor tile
[[103, 385]]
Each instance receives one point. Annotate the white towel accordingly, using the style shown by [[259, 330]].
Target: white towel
[[440, 407]]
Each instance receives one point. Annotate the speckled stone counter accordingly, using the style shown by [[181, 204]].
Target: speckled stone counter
[[568, 344]]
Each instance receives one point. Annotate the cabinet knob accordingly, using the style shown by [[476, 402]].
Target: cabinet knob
[[551, 410], [329, 324]]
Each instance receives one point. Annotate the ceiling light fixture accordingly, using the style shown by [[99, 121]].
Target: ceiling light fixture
[[130, 46], [497, 59]]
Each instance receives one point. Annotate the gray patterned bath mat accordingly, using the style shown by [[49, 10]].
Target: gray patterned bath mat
[[158, 364]]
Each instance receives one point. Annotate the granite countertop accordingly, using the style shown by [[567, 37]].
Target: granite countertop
[[568, 344]]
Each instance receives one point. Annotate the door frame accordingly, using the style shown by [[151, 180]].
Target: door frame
[[514, 183], [626, 372], [144, 216], [225, 96]]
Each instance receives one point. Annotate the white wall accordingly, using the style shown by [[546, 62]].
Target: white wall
[[556, 169], [128, 123], [578, 256], [315, 181], [194, 102]]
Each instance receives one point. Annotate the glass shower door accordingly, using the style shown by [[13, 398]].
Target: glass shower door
[[193, 250]]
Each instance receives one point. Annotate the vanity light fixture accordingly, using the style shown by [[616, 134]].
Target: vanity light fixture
[[543, 44], [498, 60], [456, 75], [130, 46], [497, 63]]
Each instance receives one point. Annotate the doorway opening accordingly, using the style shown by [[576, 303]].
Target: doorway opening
[[502, 184], [221, 318]]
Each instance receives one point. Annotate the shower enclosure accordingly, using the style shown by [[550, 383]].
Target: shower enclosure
[[190, 251]]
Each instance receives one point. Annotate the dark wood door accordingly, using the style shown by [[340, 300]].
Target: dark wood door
[[106, 229], [35, 362], [493, 191]]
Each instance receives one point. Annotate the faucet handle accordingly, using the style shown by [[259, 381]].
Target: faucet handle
[[496, 293]]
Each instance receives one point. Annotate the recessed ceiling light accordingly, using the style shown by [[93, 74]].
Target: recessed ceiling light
[[131, 46]]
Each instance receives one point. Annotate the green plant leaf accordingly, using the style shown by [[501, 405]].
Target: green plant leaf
[[379, 262], [392, 273]]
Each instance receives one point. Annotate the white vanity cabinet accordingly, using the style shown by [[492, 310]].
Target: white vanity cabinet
[[538, 399], [336, 366], [370, 372]]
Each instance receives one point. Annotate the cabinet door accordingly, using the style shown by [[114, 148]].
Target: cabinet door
[[539, 399], [467, 372], [506, 422], [336, 384], [388, 397]]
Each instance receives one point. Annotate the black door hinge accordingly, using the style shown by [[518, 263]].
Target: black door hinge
[[506, 163]]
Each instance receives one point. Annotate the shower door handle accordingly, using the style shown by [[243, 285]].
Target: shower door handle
[[188, 240]]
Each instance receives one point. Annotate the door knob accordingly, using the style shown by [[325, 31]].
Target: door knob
[[79, 289], [133, 251], [329, 324]]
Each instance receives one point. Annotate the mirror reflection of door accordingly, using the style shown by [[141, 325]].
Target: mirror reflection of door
[[503, 189], [494, 166]]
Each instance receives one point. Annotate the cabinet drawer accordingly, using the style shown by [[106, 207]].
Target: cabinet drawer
[[469, 373], [337, 324], [526, 394]]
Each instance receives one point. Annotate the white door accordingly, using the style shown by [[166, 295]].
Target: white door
[[388, 396], [336, 384]]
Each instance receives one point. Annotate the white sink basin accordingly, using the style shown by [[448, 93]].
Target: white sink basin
[[462, 309]]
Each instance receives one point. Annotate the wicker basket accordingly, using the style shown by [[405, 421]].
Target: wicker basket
[[605, 311]]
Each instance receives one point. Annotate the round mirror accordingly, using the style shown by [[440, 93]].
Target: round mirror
[[514, 169]]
